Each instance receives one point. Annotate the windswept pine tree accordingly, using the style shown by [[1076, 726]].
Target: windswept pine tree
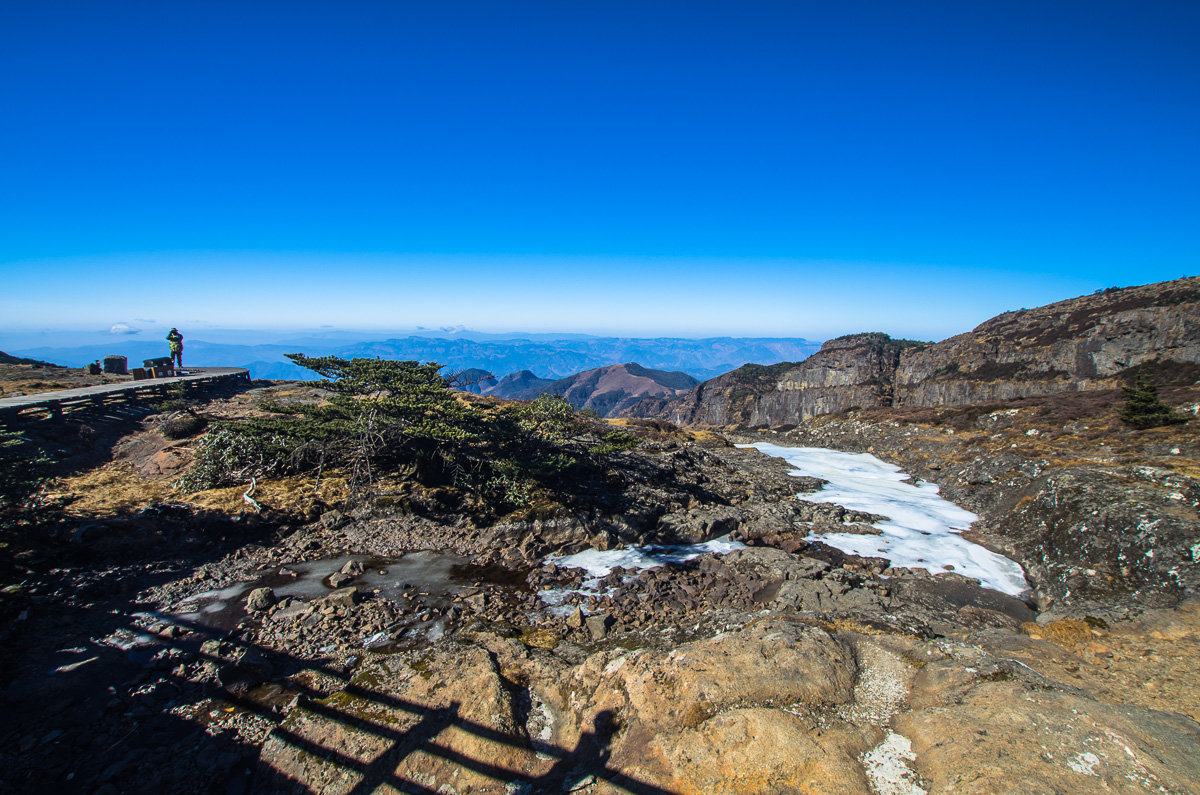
[[1144, 409]]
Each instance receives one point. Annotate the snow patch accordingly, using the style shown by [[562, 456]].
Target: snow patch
[[1084, 763], [600, 563], [887, 767], [922, 529]]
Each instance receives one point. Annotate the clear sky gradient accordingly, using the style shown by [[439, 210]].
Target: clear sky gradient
[[693, 168]]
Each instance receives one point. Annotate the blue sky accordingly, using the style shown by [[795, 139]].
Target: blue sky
[[759, 168]]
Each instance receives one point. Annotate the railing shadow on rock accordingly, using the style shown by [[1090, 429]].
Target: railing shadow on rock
[[589, 757]]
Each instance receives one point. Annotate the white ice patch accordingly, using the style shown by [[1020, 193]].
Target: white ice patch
[[887, 768], [377, 640], [599, 563], [1084, 763], [921, 531]]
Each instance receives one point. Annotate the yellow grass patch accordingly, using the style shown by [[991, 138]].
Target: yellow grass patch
[[1185, 466], [1067, 633], [109, 489], [115, 488], [684, 434], [294, 495], [541, 638]]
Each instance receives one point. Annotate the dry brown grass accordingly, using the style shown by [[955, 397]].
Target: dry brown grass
[[30, 380], [1067, 633], [658, 430], [293, 495], [109, 489], [1185, 466], [114, 489], [541, 638]]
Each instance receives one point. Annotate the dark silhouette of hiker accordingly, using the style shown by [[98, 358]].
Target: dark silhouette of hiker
[[589, 758], [176, 340]]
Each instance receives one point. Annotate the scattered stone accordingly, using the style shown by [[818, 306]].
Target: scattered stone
[[342, 597], [260, 599], [292, 611], [598, 625], [575, 618], [332, 520]]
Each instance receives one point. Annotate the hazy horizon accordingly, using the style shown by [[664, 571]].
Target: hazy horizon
[[264, 354], [155, 331]]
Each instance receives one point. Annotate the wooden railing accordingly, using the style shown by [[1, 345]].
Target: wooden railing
[[56, 405]]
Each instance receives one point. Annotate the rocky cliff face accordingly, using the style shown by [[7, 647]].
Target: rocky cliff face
[[853, 371], [1084, 343], [1093, 342]]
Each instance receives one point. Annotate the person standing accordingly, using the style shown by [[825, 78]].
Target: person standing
[[176, 340]]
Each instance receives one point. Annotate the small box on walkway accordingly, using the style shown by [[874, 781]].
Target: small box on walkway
[[160, 367]]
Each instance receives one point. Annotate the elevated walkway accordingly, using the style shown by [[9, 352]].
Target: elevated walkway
[[56, 405]]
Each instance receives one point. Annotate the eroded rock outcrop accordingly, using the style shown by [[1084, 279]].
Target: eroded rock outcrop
[[1084, 343], [778, 706], [853, 371], [1092, 342]]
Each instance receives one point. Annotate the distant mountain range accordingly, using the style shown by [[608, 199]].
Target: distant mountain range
[[607, 390], [544, 356]]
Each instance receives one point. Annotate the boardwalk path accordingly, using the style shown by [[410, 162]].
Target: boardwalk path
[[53, 405]]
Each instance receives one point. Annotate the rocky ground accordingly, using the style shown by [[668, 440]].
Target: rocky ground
[[163, 641], [1103, 517]]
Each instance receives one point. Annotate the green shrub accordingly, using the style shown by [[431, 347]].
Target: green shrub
[[403, 418], [615, 442], [510, 483], [230, 456], [175, 399], [547, 418], [1143, 408], [182, 425]]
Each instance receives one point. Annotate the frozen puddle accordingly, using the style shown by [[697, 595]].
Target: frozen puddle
[[599, 564], [922, 529], [427, 572]]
